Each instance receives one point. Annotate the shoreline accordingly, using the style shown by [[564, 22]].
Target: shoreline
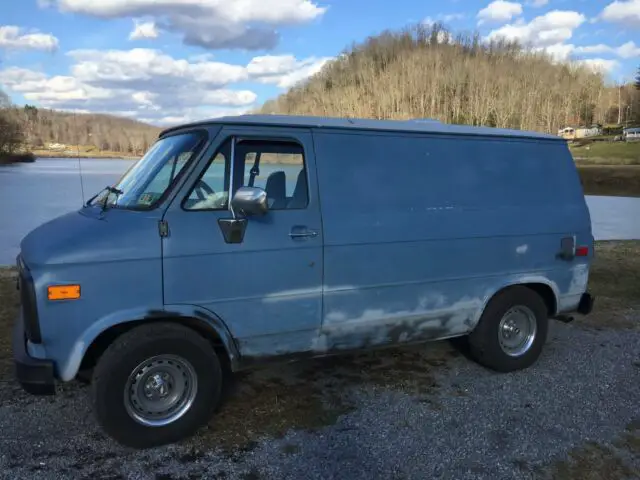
[[598, 179], [92, 155], [13, 158]]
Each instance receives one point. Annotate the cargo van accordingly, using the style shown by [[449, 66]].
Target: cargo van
[[242, 240]]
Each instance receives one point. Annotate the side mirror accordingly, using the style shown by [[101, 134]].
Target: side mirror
[[250, 201]]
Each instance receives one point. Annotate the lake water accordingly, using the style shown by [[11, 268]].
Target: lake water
[[33, 193]]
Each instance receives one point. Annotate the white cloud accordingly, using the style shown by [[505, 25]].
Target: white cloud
[[193, 115], [623, 11], [499, 11], [428, 21], [144, 30], [594, 49], [58, 89], [538, 3], [14, 38], [628, 50], [148, 84], [452, 17], [284, 70], [601, 65], [137, 67], [245, 24], [559, 51], [544, 31], [443, 17]]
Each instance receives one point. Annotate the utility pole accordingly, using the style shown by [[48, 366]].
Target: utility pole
[[620, 103]]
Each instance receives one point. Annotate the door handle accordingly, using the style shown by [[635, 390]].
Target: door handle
[[302, 232]]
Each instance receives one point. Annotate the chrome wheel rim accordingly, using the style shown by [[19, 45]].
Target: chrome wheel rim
[[517, 331], [160, 390]]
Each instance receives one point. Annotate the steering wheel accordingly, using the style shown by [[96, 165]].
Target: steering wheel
[[201, 187]]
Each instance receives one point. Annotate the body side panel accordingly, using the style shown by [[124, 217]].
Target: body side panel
[[420, 231]]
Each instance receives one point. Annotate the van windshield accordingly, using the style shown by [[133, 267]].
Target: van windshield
[[150, 177]]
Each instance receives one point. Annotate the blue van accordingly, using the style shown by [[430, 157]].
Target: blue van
[[246, 239]]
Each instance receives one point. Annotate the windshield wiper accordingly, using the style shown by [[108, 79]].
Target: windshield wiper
[[109, 189]]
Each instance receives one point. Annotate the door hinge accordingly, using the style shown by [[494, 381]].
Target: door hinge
[[163, 228]]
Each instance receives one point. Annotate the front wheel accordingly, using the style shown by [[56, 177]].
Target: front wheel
[[156, 384], [512, 330]]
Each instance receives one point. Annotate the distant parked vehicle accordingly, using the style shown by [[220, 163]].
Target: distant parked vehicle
[[281, 238]]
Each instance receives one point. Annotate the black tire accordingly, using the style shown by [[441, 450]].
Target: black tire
[[484, 343], [130, 350]]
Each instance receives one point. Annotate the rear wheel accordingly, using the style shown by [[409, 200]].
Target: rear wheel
[[156, 384], [512, 330]]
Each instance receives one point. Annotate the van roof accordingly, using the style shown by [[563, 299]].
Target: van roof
[[416, 125]]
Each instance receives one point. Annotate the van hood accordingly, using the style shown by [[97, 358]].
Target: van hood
[[83, 236]]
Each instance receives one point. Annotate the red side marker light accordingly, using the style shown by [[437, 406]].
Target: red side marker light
[[582, 251]]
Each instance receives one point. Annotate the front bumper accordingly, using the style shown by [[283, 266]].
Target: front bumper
[[35, 376]]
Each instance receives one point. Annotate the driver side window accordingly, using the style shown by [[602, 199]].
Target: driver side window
[[211, 190]]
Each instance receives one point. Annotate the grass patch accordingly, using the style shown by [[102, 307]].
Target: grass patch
[[617, 153], [613, 180], [9, 304], [615, 281], [594, 461], [615, 274]]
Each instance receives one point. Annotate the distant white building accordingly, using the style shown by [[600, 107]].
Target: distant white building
[[56, 146], [631, 134], [571, 133]]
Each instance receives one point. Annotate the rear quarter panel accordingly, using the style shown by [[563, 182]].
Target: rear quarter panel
[[422, 230]]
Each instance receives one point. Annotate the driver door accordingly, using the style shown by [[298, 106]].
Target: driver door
[[267, 288]]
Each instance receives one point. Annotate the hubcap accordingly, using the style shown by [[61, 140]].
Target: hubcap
[[160, 390], [517, 331]]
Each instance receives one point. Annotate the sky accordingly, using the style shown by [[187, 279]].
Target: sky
[[171, 61]]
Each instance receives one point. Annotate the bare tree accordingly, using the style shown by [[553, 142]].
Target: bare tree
[[11, 137]]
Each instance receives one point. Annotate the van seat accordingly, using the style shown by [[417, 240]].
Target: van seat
[[276, 188], [299, 198]]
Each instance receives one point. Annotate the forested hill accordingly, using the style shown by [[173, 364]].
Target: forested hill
[[41, 127], [425, 72]]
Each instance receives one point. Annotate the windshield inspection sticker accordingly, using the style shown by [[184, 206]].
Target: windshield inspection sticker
[[146, 199]]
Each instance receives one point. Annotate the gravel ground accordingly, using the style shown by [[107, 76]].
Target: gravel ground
[[424, 412]]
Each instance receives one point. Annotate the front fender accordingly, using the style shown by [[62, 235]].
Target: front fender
[[213, 321], [69, 369]]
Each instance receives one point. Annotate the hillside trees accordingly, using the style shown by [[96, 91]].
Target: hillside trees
[[32, 128], [424, 71], [103, 132]]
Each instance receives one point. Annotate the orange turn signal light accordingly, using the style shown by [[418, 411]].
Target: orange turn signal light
[[63, 292]]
